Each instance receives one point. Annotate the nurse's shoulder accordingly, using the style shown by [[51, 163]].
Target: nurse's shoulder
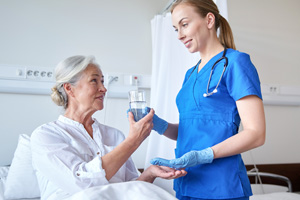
[[238, 59]]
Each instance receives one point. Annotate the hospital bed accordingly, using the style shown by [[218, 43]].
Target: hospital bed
[[19, 182], [263, 191]]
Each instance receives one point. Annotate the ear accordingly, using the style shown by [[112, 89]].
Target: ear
[[210, 18], [69, 89]]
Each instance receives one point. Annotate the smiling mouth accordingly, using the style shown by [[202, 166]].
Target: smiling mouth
[[187, 43], [100, 98]]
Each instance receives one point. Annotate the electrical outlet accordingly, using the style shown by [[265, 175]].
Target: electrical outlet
[[270, 89], [274, 89], [113, 79], [134, 80], [39, 74]]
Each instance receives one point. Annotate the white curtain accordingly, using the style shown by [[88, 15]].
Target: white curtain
[[170, 61]]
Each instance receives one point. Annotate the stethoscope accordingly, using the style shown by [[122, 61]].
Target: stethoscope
[[207, 94]]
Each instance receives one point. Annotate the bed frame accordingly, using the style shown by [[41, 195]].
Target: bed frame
[[291, 171], [271, 187]]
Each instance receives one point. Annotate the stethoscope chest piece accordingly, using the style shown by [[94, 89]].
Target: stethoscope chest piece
[[207, 94]]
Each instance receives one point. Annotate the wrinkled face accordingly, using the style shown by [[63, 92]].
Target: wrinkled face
[[89, 92], [192, 29]]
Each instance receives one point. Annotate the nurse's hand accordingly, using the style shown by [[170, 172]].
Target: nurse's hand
[[159, 125], [189, 159], [139, 131]]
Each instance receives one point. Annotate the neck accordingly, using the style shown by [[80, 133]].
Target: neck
[[209, 52], [85, 118]]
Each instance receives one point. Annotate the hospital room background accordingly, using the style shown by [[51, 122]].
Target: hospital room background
[[118, 33]]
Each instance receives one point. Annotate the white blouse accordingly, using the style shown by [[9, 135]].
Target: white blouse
[[68, 160]]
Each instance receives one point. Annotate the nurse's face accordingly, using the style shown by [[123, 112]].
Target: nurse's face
[[89, 92], [192, 29]]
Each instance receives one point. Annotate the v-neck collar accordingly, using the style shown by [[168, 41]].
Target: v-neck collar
[[209, 64]]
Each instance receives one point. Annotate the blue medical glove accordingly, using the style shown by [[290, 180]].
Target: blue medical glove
[[159, 125], [138, 114], [189, 159]]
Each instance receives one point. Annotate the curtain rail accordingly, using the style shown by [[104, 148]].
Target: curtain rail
[[167, 7]]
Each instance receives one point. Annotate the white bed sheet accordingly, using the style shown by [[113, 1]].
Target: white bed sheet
[[276, 196], [133, 190], [137, 190]]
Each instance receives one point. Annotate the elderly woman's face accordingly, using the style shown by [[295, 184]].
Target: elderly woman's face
[[89, 91]]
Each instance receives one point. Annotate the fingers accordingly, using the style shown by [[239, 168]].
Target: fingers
[[148, 117], [180, 173], [167, 169], [170, 173], [130, 117], [160, 162]]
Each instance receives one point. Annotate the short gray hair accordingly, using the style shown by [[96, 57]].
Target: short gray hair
[[69, 71]]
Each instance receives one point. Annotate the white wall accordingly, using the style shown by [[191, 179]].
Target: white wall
[[118, 33], [269, 31], [41, 33]]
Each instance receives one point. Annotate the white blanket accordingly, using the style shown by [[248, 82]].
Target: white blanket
[[276, 196], [133, 190]]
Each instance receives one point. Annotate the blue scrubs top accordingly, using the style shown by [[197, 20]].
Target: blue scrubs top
[[207, 121]]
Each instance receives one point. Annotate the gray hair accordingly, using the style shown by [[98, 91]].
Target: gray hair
[[69, 71]]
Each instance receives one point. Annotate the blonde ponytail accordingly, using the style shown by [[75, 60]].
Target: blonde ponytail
[[226, 36]]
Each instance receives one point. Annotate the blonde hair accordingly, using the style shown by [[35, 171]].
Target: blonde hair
[[69, 71], [203, 7]]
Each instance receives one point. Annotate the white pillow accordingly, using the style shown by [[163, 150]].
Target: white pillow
[[21, 181], [3, 175], [3, 171]]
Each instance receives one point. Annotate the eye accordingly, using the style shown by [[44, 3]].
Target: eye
[[176, 30], [94, 80], [184, 24]]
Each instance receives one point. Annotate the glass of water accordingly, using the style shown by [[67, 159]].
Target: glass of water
[[137, 104]]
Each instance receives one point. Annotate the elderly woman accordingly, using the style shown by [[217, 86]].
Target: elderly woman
[[76, 151]]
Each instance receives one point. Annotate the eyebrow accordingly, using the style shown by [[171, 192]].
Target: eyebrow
[[97, 75], [180, 21]]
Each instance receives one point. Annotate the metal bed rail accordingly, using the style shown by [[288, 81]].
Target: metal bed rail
[[257, 174]]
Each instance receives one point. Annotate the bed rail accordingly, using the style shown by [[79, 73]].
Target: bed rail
[[254, 172]]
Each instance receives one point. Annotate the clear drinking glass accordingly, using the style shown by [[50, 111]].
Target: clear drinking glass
[[138, 104]]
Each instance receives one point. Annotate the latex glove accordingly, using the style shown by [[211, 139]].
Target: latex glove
[[189, 159], [159, 125], [140, 115]]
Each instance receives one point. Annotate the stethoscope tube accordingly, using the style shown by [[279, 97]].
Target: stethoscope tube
[[207, 94]]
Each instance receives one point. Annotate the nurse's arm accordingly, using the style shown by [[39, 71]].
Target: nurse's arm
[[172, 131], [253, 135]]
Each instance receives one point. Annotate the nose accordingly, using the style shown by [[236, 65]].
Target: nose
[[181, 36], [102, 88]]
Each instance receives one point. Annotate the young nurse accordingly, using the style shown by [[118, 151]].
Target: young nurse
[[212, 104]]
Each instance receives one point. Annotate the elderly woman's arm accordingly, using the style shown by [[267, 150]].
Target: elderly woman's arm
[[139, 131]]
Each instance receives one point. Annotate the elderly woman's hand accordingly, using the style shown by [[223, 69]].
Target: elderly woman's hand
[[167, 172], [154, 171], [140, 130]]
